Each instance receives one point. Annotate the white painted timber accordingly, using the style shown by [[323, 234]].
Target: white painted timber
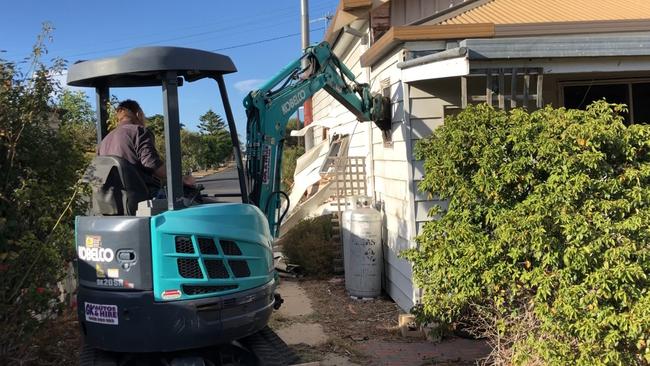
[[574, 66], [458, 66]]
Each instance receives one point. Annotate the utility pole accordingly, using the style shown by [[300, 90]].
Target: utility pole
[[304, 22], [304, 25]]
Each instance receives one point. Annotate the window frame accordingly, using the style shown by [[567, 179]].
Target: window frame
[[617, 81]]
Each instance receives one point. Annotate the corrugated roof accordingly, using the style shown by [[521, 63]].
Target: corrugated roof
[[542, 11]]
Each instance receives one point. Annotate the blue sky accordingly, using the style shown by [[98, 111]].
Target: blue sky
[[91, 29]]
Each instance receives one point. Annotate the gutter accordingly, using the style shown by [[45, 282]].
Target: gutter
[[439, 56], [347, 35]]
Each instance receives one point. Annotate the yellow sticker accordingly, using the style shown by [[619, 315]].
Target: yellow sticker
[[113, 273], [100, 271], [93, 241]]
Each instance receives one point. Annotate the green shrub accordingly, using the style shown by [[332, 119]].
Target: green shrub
[[41, 159], [547, 224], [290, 156], [309, 245]]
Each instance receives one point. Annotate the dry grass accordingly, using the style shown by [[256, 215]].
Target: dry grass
[[57, 342]]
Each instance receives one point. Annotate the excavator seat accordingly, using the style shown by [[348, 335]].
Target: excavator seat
[[117, 186]]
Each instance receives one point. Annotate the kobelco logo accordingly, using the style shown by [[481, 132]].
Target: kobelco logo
[[96, 254], [294, 101]]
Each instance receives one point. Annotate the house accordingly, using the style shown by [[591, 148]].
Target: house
[[435, 57]]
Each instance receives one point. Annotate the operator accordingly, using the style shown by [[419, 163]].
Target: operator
[[133, 142]]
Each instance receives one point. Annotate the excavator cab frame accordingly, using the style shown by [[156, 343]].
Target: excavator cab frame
[[168, 67]]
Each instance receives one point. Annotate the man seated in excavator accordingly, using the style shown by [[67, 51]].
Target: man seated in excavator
[[134, 145]]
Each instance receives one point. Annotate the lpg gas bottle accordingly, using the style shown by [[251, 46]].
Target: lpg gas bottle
[[362, 248]]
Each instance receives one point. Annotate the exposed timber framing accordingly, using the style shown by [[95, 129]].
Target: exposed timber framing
[[495, 86]]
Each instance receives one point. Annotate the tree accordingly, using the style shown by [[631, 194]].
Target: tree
[[192, 151], [292, 124], [39, 197], [216, 139], [544, 243], [211, 123], [77, 116]]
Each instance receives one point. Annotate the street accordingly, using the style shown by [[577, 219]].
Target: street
[[224, 182]]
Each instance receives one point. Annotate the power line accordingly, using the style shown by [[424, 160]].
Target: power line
[[228, 29], [264, 40], [225, 24]]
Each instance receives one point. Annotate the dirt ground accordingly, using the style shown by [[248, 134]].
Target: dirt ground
[[57, 342], [366, 332]]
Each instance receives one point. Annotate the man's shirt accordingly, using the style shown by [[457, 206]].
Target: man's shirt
[[135, 144]]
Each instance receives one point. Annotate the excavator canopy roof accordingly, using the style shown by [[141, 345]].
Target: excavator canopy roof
[[144, 66]]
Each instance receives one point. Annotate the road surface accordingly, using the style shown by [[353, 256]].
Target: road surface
[[224, 182]]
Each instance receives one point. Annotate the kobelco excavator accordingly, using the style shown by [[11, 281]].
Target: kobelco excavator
[[188, 279]]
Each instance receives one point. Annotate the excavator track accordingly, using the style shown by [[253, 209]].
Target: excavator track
[[269, 349], [263, 348]]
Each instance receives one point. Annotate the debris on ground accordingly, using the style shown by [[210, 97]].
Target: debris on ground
[[286, 270], [359, 332]]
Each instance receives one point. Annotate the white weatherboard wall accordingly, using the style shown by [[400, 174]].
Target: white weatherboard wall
[[390, 163], [426, 111]]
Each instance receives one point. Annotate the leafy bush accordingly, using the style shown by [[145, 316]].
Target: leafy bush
[[209, 148], [290, 156], [547, 227], [309, 245], [41, 158]]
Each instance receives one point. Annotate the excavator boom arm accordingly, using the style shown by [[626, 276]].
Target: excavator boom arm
[[269, 108]]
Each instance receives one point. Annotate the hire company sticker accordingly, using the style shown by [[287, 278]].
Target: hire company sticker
[[101, 313]]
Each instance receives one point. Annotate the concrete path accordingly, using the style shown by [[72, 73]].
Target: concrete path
[[296, 303], [296, 311]]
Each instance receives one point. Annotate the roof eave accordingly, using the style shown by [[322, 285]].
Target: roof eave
[[397, 35]]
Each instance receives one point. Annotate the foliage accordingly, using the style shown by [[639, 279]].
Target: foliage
[[77, 117], [211, 123], [192, 150], [41, 160], [216, 138], [547, 220], [308, 244], [290, 156], [198, 150], [292, 124]]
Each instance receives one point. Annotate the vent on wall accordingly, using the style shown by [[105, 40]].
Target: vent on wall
[[385, 91]]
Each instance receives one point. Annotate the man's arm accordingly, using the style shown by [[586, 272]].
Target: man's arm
[[147, 153], [149, 158]]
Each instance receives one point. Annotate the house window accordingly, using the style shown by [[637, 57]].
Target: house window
[[634, 94], [338, 149]]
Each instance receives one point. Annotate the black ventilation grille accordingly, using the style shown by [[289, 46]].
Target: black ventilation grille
[[189, 268], [229, 247], [240, 268], [184, 245], [207, 246], [216, 268], [200, 290]]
